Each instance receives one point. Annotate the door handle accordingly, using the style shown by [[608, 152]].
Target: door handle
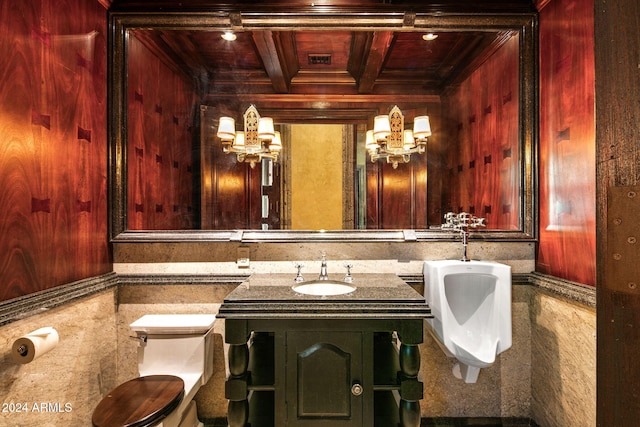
[[356, 389]]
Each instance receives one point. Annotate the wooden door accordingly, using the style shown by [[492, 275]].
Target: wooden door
[[324, 379]]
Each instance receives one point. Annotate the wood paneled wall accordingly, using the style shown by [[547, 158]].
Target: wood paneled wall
[[236, 194], [397, 198], [617, 199], [161, 144], [53, 215], [567, 142], [481, 118]]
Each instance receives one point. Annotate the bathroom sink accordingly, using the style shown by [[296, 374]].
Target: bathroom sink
[[323, 288]]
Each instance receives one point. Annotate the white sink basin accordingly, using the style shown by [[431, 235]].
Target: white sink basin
[[323, 288]]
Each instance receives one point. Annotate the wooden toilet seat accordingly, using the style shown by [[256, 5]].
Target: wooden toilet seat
[[140, 402]]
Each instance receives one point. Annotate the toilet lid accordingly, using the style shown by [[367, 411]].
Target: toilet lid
[[140, 402]]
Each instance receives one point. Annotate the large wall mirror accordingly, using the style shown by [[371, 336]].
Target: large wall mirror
[[322, 77]]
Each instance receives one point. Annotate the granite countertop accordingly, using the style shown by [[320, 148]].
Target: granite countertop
[[272, 296]]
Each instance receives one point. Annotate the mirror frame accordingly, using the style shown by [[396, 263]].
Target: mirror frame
[[395, 18]]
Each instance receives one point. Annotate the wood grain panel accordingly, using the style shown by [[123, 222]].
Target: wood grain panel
[[231, 183], [567, 143], [481, 119], [160, 144], [397, 198], [52, 145], [618, 156]]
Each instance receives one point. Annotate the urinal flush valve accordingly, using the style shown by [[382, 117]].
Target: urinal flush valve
[[462, 222]]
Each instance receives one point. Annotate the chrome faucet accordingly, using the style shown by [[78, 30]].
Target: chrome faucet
[[323, 267], [462, 222]]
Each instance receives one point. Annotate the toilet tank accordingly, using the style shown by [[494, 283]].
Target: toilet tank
[[176, 344]]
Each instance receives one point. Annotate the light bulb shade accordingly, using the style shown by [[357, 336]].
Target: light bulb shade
[[276, 143], [381, 127], [370, 141], [239, 140], [421, 127], [226, 128], [408, 140], [265, 128]]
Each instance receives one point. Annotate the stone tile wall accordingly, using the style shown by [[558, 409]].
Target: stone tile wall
[[62, 387], [548, 374], [563, 361]]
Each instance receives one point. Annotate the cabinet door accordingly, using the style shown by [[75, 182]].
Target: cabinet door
[[322, 369]]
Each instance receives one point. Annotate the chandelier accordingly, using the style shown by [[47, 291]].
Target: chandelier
[[389, 139], [258, 139]]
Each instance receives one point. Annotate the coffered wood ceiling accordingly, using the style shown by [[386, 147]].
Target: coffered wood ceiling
[[325, 74], [339, 70]]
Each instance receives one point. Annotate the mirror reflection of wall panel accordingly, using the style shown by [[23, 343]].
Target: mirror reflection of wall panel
[[272, 190], [483, 130], [316, 177], [436, 172], [232, 192], [160, 168], [397, 198]]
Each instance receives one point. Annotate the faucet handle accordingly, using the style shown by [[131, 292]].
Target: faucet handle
[[348, 278], [478, 222], [299, 278]]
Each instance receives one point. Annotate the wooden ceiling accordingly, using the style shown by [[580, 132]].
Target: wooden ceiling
[[318, 74], [337, 62], [331, 70]]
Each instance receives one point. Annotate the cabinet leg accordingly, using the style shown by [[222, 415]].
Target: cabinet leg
[[238, 413], [409, 360], [410, 389], [238, 359], [409, 413], [236, 387]]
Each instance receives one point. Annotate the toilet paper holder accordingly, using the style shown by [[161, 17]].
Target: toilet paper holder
[[22, 350], [34, 344]]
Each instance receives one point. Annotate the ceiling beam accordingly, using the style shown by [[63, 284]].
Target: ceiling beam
[[326, 98], [380, 43], [271, 59]]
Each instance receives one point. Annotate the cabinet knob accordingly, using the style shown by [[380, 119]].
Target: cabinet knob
[[356, 389]]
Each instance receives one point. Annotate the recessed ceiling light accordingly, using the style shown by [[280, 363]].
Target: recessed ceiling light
[[429, 36], [229, 36]]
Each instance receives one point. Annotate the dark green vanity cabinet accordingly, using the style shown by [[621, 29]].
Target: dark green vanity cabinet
[[309, 361]]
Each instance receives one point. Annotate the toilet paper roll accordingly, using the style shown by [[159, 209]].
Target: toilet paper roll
[[34, 344]]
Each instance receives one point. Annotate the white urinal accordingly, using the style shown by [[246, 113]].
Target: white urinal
[[471, 305]]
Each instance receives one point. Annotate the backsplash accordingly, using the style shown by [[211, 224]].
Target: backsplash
[[372, 257]]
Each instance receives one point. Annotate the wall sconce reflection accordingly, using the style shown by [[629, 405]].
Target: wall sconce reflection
[[258, 140], [389, 140]]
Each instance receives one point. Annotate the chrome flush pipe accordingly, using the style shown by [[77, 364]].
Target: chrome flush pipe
[[465, 243]]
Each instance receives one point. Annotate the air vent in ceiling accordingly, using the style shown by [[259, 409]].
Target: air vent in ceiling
[[319, 59]]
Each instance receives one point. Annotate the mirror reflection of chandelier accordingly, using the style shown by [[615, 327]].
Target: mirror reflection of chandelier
[[258, 140], [389, 139]]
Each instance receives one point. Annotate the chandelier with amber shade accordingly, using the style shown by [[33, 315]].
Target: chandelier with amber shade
[[390, 141], [258, 140]]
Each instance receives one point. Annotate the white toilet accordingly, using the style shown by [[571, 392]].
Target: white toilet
[[471, 306], [175, 358]]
